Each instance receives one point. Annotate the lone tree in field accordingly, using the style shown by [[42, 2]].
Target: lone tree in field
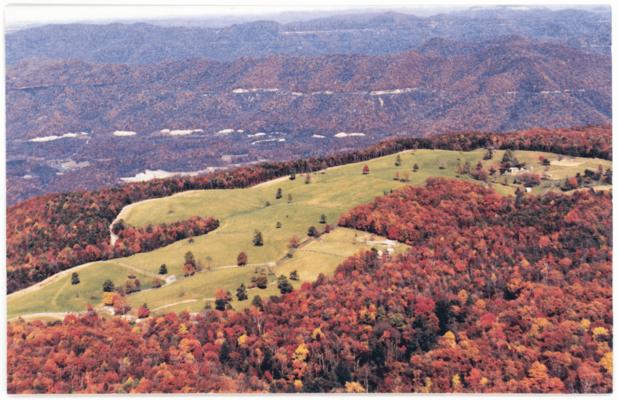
[[257, 238], [366, 169], [242, 259], [289, 198], [398, 161], [261, 281], [313, 232], [241, 292], [108, 286], [294, 242], [74, 278], [189, 258], [284, 285], [279, 194], [163, 269], [307, 178], [415, 167], [322, 219], [509, 161], [278, 225], [190, 267], [294, 275]]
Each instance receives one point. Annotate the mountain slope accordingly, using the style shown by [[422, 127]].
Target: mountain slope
[[513, 80], [104, 122]]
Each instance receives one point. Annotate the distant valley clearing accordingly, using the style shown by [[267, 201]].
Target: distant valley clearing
[[149, 174], [352, 134], [180, 132], [50, 138], [124, 133]]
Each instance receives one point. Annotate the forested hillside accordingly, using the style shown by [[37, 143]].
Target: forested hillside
[[497, 294], [54, 232], [75, 125]]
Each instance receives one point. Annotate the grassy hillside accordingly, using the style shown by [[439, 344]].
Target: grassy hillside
[[241, 211]]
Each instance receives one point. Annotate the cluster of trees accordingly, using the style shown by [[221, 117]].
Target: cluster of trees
[[494, 296], [137, 240], [589, 177], [40, 229], [528, 179], [37, 263], [592, 141]]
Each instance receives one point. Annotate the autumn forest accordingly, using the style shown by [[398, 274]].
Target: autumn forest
[[308, 198], [496, 293]]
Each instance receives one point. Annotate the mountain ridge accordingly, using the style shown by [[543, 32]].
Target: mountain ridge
[[370, 33]]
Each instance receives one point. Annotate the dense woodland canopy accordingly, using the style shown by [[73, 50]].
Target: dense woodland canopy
[[496, 294], [27, 269], [53, 232]]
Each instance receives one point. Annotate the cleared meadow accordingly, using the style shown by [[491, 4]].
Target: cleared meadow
[[242, 211]]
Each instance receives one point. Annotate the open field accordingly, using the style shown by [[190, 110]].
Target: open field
[[241, 211]]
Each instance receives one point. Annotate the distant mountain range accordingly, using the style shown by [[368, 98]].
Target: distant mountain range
[[502, 85], [88, 105], [372, 34], [74, 124]]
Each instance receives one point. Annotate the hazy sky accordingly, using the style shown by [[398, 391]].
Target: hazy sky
[[36, 14], [19, 15]]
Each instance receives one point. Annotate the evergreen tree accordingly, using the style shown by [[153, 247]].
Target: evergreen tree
[[74, 278], [312, 231], [241, 292], [257, 238], [108, 286], [279, 194], [322, 219], [398, 161], [163, 269], [294, 275], [284, 285]]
